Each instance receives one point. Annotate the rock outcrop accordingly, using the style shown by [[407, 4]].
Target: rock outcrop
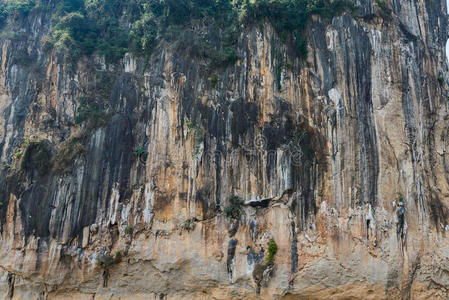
[[175, 187]]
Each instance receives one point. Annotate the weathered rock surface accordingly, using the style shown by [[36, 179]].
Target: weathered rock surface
[[321, 151]]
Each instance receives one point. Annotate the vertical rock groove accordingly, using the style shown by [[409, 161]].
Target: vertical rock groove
[[171, 178]]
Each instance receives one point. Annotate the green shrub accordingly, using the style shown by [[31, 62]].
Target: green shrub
[[141, 153], [47, 43], [90, 111], [129, 229], [198, 134], [118, 256], [18, 155], [382, 4], [17, 8], [144, 33], [191, 128], [272, 250], [213, 80], [188, 224], [113, 27], [82, 28], [440, 77], [234, 210]]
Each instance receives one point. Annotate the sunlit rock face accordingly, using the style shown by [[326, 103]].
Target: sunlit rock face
[[340, 159]]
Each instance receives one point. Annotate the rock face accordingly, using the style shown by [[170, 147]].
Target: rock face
[[340, 159]]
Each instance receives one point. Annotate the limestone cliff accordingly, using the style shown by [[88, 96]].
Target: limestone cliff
[[176, 186]]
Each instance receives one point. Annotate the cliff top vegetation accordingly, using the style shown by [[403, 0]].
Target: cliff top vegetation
[[114, 27]]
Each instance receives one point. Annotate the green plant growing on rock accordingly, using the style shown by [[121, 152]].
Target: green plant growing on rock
[[141, 153], [198, 135], [213, 80], [90, 112], [196, 150], [47, 43], [188, 224], [263, 271], [118, 256], [400, 198], [129, 230], [382, 4], [234, 210], [222, 58], [191, 128], [440, 78], [84, 27], [198, 140], [112, 28], [107, 260], [272, 250], [16, 8], [384, 11], [18, 155]]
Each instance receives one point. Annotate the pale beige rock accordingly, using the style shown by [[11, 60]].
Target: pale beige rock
[[368, 92]]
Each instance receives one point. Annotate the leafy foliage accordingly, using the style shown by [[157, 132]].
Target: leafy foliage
[[440, 78], [272, 250], [91, 112], [113, 27], [141, 153], [18, 155], [289, 17], [129, 229], [189, 224], [16, 8], [234, 210], [84, 27], [213, 80]]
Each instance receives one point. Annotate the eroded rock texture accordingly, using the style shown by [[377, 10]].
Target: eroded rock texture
[[341, 159]]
